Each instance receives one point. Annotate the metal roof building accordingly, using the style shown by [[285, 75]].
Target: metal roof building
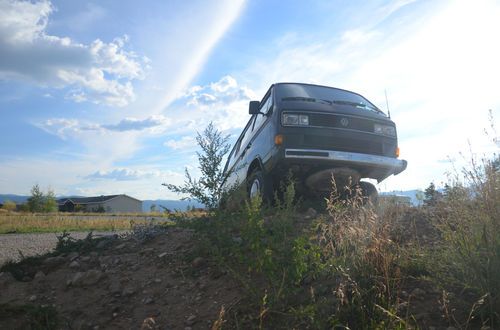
[[109, 204]]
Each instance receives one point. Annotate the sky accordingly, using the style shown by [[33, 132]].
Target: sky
[[107, 97]]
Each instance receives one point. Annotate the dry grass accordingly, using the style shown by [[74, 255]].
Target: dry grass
[[31, 223]]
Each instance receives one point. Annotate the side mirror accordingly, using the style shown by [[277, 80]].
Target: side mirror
[[253, 107]]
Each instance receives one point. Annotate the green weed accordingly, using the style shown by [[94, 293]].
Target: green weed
[[31, 316]]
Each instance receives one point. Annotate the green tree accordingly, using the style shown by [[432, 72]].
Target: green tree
[[9, 205], [455, 192], [49, 202], [206, 190], [432, 196], [40, 202], [37, 200]]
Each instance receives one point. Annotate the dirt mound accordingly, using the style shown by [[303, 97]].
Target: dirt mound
[[123, 284], [166, 277]]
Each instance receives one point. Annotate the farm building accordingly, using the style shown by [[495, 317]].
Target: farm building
[[108, 204]]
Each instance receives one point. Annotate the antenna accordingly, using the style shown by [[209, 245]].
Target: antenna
[[387, 104]]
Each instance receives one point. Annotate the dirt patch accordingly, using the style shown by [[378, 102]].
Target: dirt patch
[[125, 284]]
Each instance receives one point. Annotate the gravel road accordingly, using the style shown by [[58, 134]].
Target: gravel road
[[33, 244]]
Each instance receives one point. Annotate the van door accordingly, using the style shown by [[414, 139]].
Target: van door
[[237, 163], [251, 144]]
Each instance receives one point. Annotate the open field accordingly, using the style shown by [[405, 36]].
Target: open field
[[57, 222]]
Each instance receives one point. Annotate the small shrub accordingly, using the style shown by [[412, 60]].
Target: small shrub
[[146, 232], [208, 189], [9, 206], [66, 243], [357, 242]]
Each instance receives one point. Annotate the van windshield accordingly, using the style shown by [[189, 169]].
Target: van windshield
[[321, 94]]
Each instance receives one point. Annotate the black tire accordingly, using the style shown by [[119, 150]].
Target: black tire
[[369, 192], [258, 184]]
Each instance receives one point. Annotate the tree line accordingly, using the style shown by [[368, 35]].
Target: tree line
[[38, 201]]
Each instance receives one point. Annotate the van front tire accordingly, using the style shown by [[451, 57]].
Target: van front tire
[[258, 185], [369, 193]]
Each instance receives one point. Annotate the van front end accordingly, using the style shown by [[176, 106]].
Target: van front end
[[317, 146]]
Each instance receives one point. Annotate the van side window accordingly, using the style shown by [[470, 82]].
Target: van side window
[[230, 159], [264, 109], [247, 133], [233, 155]]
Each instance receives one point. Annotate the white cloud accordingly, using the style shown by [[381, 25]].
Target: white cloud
[[222, 92], [154, 124], [224, 84], [223, 102], [142, 183], [127, 174], [61, 127], [186, 142], [23, 21], [65, 128], [99, 72]]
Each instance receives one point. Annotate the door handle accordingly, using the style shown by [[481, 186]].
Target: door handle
[[245, 150]]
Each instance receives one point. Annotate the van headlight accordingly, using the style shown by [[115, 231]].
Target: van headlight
[[384, 130], [289, 119]]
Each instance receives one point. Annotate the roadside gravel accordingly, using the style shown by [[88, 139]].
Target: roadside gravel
[[32, 244]]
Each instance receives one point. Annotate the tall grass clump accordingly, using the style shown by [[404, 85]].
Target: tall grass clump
[[468, 216], [357, 243]]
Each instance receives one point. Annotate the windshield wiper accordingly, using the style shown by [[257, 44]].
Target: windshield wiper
[[358, 105], [305, 99]]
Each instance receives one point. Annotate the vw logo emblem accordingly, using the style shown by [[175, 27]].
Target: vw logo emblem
[[344, 122]]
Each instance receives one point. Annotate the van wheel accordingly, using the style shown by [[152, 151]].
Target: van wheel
[[369, 192], [258, 185]]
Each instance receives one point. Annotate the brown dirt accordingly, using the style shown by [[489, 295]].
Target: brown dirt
[[126, 285]]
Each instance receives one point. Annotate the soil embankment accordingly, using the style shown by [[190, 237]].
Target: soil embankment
[[123, 284]]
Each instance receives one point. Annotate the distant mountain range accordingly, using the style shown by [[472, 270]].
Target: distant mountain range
[[18, 199], [182, 205], [172, 205]]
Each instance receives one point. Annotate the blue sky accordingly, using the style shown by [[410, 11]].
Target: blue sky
[[106, 97]]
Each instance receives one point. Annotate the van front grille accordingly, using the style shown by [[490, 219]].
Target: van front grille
[[343, 144], [341, 121]]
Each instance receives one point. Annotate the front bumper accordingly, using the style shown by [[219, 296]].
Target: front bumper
[[349, 159]]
